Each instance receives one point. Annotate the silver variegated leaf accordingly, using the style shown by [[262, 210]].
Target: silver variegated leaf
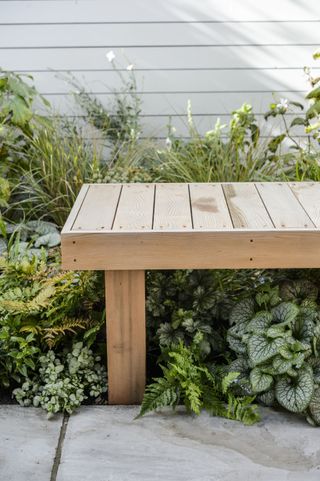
[[281, 365], [260, 381], [298, 290], [285, 312], [267, 398], [261, 348], [236, 344], [314, 407], [295, 394], [260, 322], [243, 311]]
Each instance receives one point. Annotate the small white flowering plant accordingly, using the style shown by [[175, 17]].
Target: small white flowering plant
[[64, 381], [308, 118]]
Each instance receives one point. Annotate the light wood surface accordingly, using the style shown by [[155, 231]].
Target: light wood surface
[[283, 207], [308, 194], [168, 226], [193, 250], [126, 336], [209, 207], [135, 209], [98, 210], [246, 208], [172, 207]]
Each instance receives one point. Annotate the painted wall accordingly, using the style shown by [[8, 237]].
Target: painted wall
[[217, 54]]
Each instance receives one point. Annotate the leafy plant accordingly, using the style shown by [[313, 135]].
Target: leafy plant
[[63, 381], [228, 154], [276, 336], [42, 307], [187, 380]]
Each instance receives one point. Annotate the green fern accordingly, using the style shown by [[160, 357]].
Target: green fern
[[159, 394], [187, 379]]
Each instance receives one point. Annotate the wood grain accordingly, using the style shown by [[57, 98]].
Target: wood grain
[[98, 210], [308, 194], [246, 208], [172, 207], [209, 207], [75, 209], [126, 336], [135, 209], [283, 207], [193, 250]]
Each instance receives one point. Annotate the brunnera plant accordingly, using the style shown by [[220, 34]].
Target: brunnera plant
[[276, 338]]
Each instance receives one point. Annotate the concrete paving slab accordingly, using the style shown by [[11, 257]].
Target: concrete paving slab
[[104, 443], [28, 443]]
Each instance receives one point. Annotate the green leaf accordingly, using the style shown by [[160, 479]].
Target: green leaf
[[286, 312], [260, 381], [242, 311], [260, 322], [298, 121], [228, 380], [236, 344], [295, 394], [48, 240], [298, 290], [314, 94], [314, 406], [313, 110], [275, 142], [296, 104], [260, 348], [267, 398], [281, 365]]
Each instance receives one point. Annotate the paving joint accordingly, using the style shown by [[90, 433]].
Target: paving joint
[[59, 448]]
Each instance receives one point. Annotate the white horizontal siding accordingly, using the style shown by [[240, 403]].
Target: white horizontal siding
[[217, 54]]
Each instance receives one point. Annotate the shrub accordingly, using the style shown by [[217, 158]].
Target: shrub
[[63, 381], [276, 337]]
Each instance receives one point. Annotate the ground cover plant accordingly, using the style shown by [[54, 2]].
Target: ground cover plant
[[224, 341]]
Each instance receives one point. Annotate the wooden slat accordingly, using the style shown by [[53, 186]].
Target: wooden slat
[[98, 209], [308, 194], [246, 208], [193, 250], [283, 207], [209, 208], [126, 336], [135, 209], [172, 207], [75, 209]]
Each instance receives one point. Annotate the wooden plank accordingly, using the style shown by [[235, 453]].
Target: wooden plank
[[172, 207], [98, 210], [126, 336], [135, 209], [308, 194], [209, 207], [235, 249], [283, 207], [75, 209], [246, 208]]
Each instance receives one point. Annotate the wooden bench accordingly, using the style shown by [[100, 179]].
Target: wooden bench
[[127, 229]]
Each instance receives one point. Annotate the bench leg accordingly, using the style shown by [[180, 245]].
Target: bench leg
[[126, 336]]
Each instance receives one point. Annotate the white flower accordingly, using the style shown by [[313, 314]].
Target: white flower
[[130, 67], [283, 105], [168, 143], [110, 56]]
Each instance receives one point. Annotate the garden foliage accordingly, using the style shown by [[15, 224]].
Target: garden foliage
[[50, 320]]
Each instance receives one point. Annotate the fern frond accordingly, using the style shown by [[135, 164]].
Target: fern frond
[[228, 380], [51, 335], [242, 409], [157, 395]]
